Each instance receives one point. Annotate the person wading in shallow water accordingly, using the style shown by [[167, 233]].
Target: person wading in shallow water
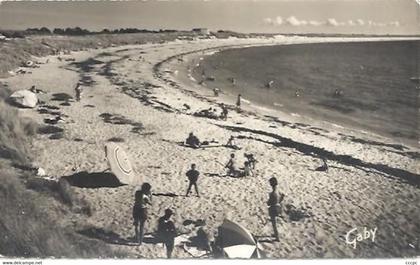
[[143, 199], [274, 206]]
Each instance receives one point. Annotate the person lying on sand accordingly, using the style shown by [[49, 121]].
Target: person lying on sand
[[167, 232], [274, 205], [231, 166], [208, 113], [193, 141], [142, 201], [231, 143], [192, 176]]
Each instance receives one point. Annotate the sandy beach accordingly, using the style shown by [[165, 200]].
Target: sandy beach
[[143, 97]]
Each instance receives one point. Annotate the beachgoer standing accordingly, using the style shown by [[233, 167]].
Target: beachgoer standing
[[247, 170], [251, 160], [167, 232], [192, 176], [231, 166], [224, 112], [143, 199], [238, 102], [274, 206], [78, 91]]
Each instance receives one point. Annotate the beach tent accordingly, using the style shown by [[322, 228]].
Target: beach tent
[[24, 98], [120, 164], [237, 242]]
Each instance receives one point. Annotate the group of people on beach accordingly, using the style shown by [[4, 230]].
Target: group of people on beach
[[166, 230]]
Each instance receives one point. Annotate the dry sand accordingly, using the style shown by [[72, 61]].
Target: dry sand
[[372, 181]]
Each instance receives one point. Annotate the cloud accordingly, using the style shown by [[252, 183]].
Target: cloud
[[333, 22], [315, 23], [360, 22], [268, 21], [277, 21], [293, 21]]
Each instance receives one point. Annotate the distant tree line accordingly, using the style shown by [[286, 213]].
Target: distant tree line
[[77, 31]]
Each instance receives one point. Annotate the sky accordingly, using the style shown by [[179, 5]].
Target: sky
[[274, 16]]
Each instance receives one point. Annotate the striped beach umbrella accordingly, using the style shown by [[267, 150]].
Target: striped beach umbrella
[[120, 164], [237, 241]]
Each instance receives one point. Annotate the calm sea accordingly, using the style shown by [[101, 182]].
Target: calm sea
[[364, 84]]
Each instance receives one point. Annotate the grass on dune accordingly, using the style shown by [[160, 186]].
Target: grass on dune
[[30, 219]]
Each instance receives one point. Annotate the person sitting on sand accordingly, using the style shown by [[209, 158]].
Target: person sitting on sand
[[167, 232], [143, 198], [274, 206], [193, 141], [231, 166], [231, 143], [251, 160], [324, 166], [224, 114], [192, 176]]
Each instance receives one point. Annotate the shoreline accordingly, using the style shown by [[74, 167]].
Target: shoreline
[[191, 80], [332, 117]]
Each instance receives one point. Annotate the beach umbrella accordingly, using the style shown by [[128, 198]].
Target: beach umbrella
[[24, 98], [120, 164], [237, 242]]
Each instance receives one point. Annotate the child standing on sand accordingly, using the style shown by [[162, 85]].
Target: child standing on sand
[[224, 114], [274, 206], [192, 176], [143, 199]]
